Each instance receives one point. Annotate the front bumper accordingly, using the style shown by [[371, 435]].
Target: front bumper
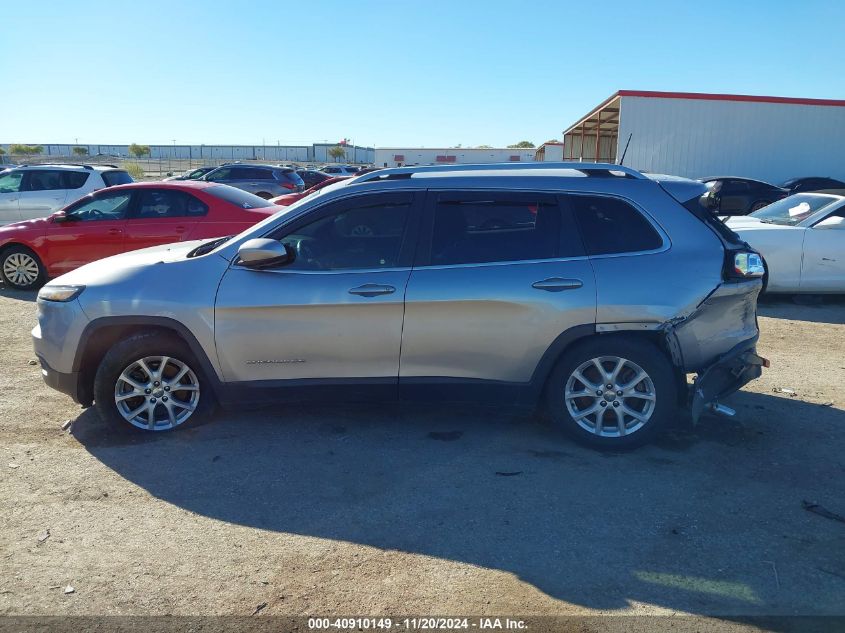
[[65, 383], [729, 373]]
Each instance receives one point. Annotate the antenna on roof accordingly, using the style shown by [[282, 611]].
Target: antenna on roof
[[625, 151]]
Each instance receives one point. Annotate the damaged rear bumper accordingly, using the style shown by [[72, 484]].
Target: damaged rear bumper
[[727, 374]]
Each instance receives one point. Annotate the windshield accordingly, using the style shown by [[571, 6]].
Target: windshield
[[792, 210]]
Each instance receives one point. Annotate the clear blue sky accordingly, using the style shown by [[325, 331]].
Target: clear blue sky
[[430, 73]]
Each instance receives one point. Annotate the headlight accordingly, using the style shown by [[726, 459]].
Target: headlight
[[59, 293]]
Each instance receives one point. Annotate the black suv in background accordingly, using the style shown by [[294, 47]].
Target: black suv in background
[[812, 183], [740, 196], [265, 181]]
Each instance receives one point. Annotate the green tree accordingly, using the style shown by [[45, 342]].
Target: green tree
[[80, 151], [26, 150], [139, 151], [522, 145], [2, 152], [337, 152], [134, 170]]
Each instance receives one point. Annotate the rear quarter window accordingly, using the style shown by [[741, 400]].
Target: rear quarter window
[[116, 177], [611, 226]]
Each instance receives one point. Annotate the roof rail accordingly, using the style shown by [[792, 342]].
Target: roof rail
[[84, 165], [588, 169]]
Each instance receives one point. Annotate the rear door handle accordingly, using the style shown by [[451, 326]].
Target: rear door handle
[[372, 290], [556, 284], [180, 229], [115, 231]]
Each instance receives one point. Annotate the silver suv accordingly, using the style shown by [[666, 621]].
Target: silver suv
[[590, 289], [265, 181]]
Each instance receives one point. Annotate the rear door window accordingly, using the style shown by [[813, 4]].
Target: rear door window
[[168, 203], [485, 227], [610, 226]]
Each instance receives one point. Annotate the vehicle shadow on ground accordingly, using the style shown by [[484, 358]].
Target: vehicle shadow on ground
[[20, 295], [689, 523], [815, 308]]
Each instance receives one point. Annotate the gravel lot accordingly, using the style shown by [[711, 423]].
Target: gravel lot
[[367, 511]]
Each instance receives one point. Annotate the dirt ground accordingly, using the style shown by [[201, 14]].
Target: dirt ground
[[429, 510]]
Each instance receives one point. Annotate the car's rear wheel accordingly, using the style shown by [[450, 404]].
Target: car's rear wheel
[[151, 382], [264, 194], [759, 205], [612, 392], [22, 269]]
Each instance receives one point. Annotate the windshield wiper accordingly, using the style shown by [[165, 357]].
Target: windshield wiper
[[207, 247]]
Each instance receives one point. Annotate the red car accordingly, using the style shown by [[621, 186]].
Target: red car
[[123, 218], [289, 198]]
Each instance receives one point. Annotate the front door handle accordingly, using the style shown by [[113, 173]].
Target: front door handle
[[556, 284], [179, 230], [115, 231], [372, 290]]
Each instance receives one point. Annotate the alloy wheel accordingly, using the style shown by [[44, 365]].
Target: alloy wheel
[[157, 393], [610, 396]]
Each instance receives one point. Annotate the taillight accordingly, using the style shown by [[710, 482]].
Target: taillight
[[743, 265], [289, 185]]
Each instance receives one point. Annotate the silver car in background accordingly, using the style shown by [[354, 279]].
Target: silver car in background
[[265, 181], [589, 289]]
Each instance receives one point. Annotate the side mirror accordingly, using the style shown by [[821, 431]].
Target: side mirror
[[264, 253], [59, 218]]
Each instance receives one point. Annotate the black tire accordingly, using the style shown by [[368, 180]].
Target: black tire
[[29, 255], [141, 346], [264, 194], [759, 204], [641, 352]]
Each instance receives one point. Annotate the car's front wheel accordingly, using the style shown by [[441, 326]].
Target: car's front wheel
[[151, 382], [22, 269], [612, 392]]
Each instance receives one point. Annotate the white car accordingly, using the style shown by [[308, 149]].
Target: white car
[[339, 170], [801, 239], [35, 191]]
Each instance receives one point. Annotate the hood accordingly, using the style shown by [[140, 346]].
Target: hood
[[38, 225], [745, 224], [119, 267], [742, 220]]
